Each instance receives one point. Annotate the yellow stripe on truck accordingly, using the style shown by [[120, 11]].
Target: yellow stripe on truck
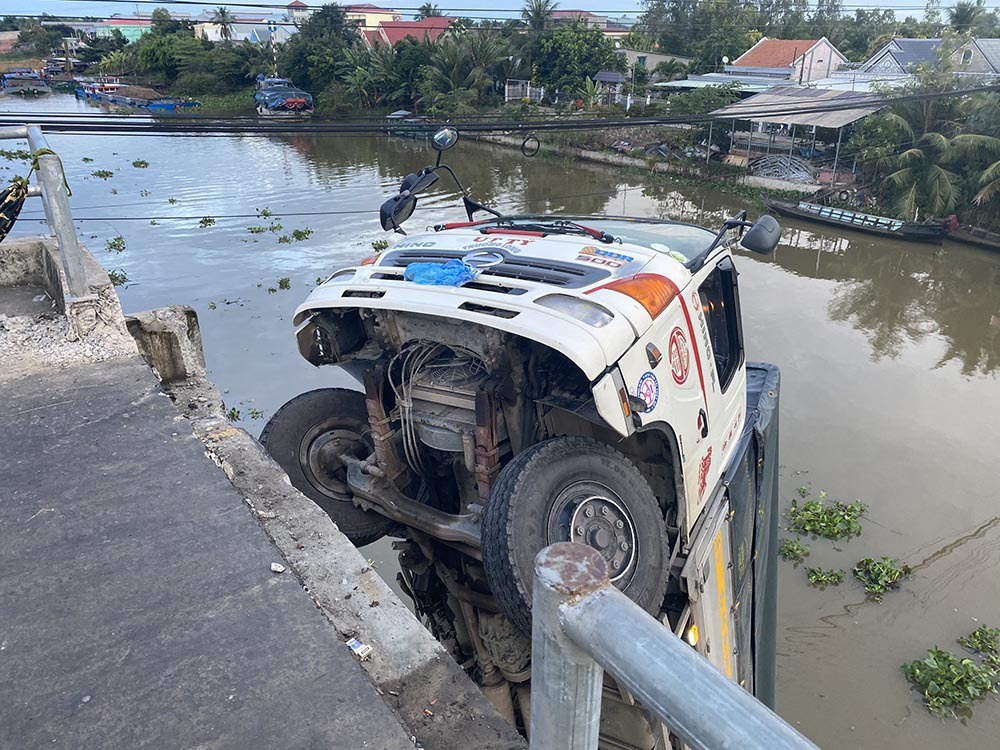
[[723, 603]]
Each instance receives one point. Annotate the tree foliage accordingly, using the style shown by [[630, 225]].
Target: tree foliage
[[311, 55], [571, 53]]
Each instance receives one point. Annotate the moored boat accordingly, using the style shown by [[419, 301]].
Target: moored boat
[[278, 97], [24, 82], [112, 91], [869, 223], [971, 235]]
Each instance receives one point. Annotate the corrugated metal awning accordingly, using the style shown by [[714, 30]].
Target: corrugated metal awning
[[787, 105]]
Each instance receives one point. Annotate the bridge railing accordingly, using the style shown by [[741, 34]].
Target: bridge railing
[[582, 626], [55, 198]]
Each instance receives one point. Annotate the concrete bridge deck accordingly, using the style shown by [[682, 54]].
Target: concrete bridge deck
[[139, 604]]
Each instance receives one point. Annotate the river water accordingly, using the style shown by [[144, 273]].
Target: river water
[[889, 354]]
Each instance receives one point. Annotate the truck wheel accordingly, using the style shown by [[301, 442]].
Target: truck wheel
[[581, 490], [306, 436]]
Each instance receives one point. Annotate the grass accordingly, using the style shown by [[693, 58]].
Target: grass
[[816, 517], [140, 163], [233, 414], [823, 578], [116, 244], [235, 103], [878, 576], [118, 277], [103, 174], [793, 549], [208, 221], [284, 283]]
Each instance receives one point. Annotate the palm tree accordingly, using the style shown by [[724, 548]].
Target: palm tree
[[924, 175], [427, 10], [537, 13], [990, 180], [114, 63], [224, 19], [670, 69], [964, 16]]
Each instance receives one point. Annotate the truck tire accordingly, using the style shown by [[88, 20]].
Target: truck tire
[[306, 435], [573, 489]]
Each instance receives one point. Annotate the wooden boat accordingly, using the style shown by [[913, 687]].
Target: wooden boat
[[869, 223], [970, 235]]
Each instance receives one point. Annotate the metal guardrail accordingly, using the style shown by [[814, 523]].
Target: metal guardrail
[[55, 199], [582, 625]]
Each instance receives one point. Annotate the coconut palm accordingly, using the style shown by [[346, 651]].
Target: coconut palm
[[964, 16], [537, 13], [670, 69], [427, 10], [990, 180], [924, 175], [224, 20]]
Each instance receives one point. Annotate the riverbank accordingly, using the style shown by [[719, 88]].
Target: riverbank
[[722, 178]]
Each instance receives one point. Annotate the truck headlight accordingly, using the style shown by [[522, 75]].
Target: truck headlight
[[583, 310]]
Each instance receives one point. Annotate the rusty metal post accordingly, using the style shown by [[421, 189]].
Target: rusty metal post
[[565, 680]]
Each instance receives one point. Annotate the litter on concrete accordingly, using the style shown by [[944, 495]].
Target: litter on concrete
[[361, 650]]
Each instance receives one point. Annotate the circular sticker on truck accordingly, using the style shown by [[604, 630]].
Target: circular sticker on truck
[[648, 390], [680, 356]]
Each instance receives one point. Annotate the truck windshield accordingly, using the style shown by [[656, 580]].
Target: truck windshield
[[664, 237]]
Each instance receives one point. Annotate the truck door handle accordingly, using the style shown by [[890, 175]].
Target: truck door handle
[[703, 423]]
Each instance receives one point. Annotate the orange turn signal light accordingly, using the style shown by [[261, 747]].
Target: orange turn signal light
[[369, 260], [652, 291]]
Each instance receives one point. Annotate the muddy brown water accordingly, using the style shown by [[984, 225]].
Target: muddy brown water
[[889, 353]]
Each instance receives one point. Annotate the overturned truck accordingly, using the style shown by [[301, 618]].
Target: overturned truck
[[535, 378]]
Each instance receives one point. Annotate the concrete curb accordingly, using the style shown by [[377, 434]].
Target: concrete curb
[[441, 707]]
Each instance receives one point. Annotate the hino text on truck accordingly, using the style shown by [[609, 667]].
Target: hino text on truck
[[531, 379]]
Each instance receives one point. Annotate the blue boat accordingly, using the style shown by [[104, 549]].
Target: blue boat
[[278, 97]]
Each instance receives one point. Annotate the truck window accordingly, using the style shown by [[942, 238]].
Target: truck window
[[720, 303]]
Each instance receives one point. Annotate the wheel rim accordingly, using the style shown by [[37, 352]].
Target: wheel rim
[[592, 514], [320, 451]]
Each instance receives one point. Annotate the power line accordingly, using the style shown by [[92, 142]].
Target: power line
[[611, 12]]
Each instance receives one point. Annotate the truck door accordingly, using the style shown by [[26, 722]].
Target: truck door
[[720, 333]]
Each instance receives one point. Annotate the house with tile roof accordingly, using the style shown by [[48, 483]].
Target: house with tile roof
[[583, 17], [903, 56], [426, 29], [977, 57], [297, 11], [368, 16], [798, 60]]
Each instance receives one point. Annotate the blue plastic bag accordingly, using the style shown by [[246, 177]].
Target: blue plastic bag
[[452, 273]]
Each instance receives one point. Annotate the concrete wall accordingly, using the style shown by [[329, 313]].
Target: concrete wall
[[819, 62]]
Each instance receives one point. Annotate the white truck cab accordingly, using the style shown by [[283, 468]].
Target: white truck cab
[[532, 379]]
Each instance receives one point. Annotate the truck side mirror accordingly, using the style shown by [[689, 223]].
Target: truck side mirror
[[396, 210], [763, 236]]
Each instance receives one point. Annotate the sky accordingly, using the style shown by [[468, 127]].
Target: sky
[[471, 8]]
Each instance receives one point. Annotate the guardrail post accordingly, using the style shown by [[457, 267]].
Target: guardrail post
[[58, 216], [565, 681]]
